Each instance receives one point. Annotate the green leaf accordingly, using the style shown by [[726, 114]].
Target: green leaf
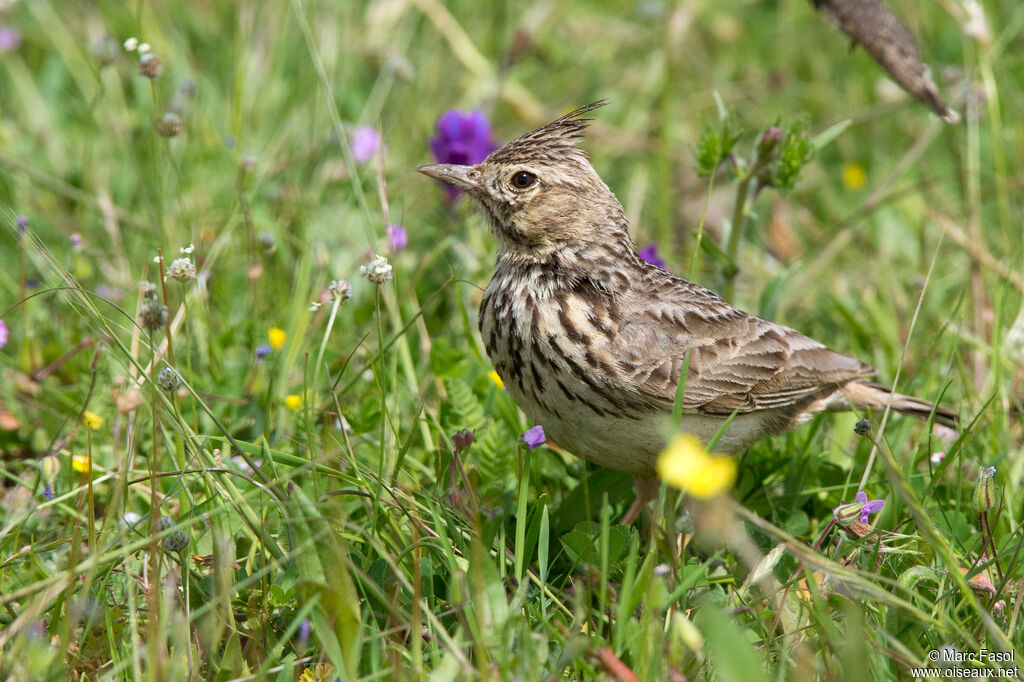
[[463, 409], [829, 134], [582, 543], [445, 361], [732, 656]]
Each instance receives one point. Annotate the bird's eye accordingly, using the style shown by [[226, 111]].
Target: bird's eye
[[523, 179]]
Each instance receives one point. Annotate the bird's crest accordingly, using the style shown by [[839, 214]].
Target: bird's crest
[[556, 138]]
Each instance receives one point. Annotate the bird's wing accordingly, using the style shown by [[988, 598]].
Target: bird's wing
[[738, 362]]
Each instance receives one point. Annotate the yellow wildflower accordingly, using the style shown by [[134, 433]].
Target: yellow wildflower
[[321, 672], [93, 420], [687, 465], [293, 401], [277, 337], [854, 175], [496, 379], [81, 463]]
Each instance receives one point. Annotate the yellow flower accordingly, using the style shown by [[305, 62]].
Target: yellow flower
[[93, 420], [81, 463], [854, 175], [496, 379], [277, 337], [687, 465], [321, 672], [293, 401]]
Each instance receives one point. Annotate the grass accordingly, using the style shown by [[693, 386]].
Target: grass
[[332, 526]]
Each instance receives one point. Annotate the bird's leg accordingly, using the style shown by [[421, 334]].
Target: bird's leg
[[646, 490]]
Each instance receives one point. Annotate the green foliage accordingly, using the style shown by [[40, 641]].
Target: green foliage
[[320, 524], [716, 145], [794, 153]]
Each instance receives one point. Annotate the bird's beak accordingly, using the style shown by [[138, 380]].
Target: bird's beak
[[459, 177]]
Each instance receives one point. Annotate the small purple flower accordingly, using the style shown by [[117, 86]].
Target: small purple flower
[[3, 334], [262, 351], [10, 38], [364, 143], [397, 237], [650, 254], [22, 225], [110, 292], [48, 493], [462, 138], [303, 634], [534, 436], [76, 241], [870, 506]]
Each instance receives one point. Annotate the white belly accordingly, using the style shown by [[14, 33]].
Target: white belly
[[633, 445]]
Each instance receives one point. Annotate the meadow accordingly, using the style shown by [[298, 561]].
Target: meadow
[[248, 429]]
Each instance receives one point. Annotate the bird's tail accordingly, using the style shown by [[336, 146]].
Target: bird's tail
[[875, 396]]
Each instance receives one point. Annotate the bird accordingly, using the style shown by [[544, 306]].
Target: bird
[[591, 340]]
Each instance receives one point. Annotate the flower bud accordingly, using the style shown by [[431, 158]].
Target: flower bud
[[49, 467], [862, 427], [150, 65], [846, 514], [153, 315], [984, 494], [169, 380], [769, 141], [169, 125]]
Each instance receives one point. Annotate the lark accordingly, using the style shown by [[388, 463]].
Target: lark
[[591, 340]]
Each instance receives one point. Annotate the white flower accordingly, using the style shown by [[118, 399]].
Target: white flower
[[377, 271], [187, 250], [341, 289], [130, 520], [131, 44], [144, 48], [181, 269]]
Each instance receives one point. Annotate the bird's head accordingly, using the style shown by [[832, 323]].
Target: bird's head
[[540, 193]]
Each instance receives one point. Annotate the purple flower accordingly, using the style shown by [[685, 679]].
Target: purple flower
[[22, 225], [650, 254], [3, 334], [534, 436], [869, 506], [462, 138], [110, 292], [364, 143], [262, 351], [10, 38], [76, 241], [48, 493], [397, 237], [303, 634]]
